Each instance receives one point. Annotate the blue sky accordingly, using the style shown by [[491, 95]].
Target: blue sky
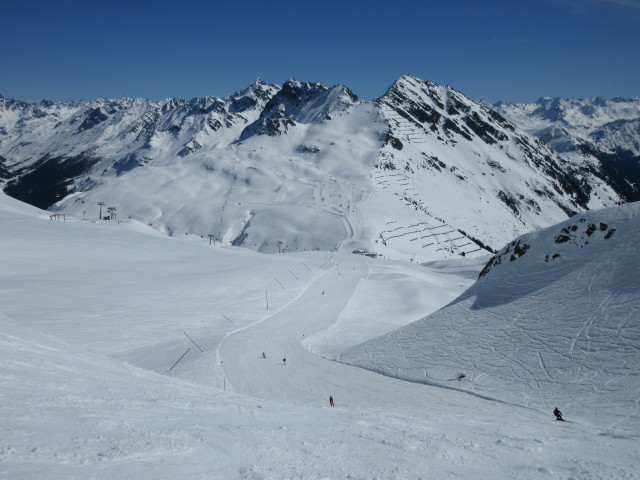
[[516, 50]]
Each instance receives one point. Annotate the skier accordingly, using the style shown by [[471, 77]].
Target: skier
[[558, 414], [263, 355], [331, 401], [284, 361]]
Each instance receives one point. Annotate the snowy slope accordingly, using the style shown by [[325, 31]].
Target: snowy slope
[[94, 315], [553, 321], [10, 206], [466, 169], [62, 147], [266, 193]]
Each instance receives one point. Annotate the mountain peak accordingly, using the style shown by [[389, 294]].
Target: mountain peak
[[300, 91], [255, 95], [410, 81], [300, 102]]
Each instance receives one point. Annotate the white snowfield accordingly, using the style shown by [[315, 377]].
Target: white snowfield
[[128, 354]]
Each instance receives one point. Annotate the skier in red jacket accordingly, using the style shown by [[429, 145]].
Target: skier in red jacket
[[331, 401]]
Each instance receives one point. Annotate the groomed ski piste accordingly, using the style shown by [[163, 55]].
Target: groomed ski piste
[[129, 354]]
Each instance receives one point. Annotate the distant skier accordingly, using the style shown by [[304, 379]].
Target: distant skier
[[558, 414], [263, 355], [331, 401], [284, 361]]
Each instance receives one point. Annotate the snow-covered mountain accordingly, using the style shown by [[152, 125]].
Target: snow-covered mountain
[[54, 148], [552, 320], [610, 125], [421, 173], [300, 102], [461, 162], [586, 129]]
